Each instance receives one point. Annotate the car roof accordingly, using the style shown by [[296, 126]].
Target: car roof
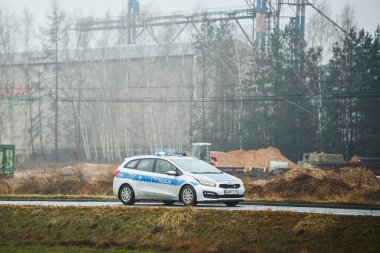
[[169, 157]]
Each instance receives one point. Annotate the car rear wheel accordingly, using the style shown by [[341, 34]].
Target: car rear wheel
[[168, 202], [188, 196], [231, 203], [127, 195]]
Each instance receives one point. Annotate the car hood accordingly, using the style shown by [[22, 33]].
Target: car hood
[[222, 177]]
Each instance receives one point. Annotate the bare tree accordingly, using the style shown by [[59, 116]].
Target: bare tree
[[56, 38], [240, 61], [8, 31], [347, 17], [27, 30], [348, 22], [321, 32]]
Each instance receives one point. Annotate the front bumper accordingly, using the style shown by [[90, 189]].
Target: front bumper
[[217, 194]]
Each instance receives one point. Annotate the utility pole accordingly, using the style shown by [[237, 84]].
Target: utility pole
[[56, 91], [203, 94]]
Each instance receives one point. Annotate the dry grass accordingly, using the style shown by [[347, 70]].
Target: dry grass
[[80, 179], [346, 185], [5, 187], [61, 249], [188, 229], [340, 185]]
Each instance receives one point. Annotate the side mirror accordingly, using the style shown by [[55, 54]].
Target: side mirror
[[171, 173]]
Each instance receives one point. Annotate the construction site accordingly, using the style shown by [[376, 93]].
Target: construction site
[[189, 126], [267, 175], [139, 82]]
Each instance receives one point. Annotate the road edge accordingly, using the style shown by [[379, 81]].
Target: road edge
[[258, 203]]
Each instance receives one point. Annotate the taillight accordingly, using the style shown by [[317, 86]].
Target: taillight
[[116, 172]]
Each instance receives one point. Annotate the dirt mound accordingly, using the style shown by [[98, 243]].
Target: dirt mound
[[354, 177], [98, 187], [82, 179], [355, 158], [252, 158], [5, 186], [346, 184], [39, 185]]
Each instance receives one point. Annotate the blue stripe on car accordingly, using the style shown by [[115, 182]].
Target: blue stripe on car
[[153, 179]]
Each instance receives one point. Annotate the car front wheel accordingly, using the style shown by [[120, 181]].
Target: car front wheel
[[127, 195], [231, 203], [188, 196]]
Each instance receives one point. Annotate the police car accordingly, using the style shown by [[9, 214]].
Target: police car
[[171, 178]]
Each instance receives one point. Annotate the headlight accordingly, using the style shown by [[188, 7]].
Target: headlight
[[206, 183]]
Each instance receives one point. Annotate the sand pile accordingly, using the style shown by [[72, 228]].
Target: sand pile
[[252, 158], [355, 158], [345, 184]]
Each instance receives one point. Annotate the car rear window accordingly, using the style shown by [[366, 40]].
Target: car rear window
[[131, 164]]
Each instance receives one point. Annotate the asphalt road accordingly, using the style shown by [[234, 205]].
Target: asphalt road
[[245, 207]]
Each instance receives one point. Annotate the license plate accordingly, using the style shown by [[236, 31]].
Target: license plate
[[231, 192]]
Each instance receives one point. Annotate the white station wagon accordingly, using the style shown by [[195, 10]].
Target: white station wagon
[[171, 178]]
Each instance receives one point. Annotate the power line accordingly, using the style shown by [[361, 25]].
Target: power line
[[247, 85], [256, 98], [227, 99]]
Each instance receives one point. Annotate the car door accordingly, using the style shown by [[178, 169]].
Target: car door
[[165, 187], [142, 178]]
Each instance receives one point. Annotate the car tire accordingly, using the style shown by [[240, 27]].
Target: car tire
[[127, 195], [168, 202], [231, 203], [188, 196]]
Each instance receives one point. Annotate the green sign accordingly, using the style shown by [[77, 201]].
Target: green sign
[[19, 101], [7, 160]]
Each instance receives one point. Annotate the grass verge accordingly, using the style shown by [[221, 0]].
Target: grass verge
[[249, 199], [312, 202], [56, 197], [59, 249], [187, 229]]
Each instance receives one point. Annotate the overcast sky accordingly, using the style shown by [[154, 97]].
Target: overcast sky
[[367, 11]]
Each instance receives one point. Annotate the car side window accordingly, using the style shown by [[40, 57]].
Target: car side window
[[146, 165], [163, 166], [131, 164]]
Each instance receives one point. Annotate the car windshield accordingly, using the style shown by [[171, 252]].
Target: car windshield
[[196, 166]]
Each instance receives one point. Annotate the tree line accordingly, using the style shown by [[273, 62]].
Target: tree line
[[319, 94], [84, 103], [270, 98]]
